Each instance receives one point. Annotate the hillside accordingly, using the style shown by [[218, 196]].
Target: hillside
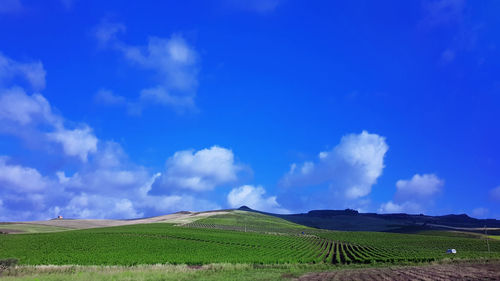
[[352, 220], [249, 221]]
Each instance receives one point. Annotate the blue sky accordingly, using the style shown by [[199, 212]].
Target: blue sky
[[121, 110]]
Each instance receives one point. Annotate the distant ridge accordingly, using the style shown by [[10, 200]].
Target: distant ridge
[[352, 220]]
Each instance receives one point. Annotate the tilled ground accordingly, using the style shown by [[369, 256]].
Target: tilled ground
[[472, 271]]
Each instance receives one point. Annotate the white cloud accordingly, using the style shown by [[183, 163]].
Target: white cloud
[[17, 106], [97, 207], [105, 184], [254, 197], [351, 168], [201, 170], [32, 72], [495, 193], [31, 116], [18, 178], [77, 142], [414, 195], [173, 62], [418, 187], [405, 207]]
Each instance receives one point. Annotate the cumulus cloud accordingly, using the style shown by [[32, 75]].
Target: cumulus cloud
[[414, 195], [254, 197], [200, 170], [33, 113], [174, 64], [77, 142], [351, 168], [17, 106], [105, 183], [97, 207], [18, 178], [418, 187], [31, 116]]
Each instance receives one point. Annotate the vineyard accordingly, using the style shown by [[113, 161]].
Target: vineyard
[[166, 243]]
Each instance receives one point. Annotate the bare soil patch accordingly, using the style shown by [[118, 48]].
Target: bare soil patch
[[462, 271]]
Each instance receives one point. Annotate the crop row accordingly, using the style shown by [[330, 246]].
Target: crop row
[[165, 243]]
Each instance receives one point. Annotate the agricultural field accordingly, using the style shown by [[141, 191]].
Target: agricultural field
[[250, 221], [161, 243]]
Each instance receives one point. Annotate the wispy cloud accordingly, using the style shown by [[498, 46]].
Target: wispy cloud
[[31, 72], [174, 63], [256, 6], [495, 194], [442, 12]]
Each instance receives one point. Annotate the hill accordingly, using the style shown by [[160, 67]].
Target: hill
[[352, 220]]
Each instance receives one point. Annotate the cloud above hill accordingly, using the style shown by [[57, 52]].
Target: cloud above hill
[[414, 195], [350, 169], [93, 178], [254, 197]]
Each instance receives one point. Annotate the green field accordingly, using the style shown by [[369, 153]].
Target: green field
[[161, 243], [250, 221]]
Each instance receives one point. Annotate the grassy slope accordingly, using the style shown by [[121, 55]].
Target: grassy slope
[[30, 228], [252, 221]]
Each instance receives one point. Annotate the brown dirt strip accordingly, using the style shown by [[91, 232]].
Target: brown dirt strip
[[461, 271]]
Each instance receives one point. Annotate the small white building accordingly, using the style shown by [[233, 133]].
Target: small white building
[[451, 251]]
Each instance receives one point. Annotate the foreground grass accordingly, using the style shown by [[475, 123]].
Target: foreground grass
[[240, 272]]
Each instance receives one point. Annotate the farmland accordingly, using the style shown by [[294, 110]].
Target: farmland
[[159, 243], [230, 244]]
